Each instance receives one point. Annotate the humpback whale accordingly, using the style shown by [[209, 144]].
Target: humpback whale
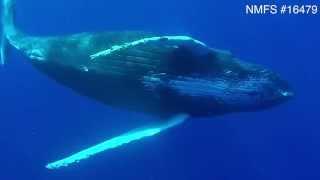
[[173, 77]]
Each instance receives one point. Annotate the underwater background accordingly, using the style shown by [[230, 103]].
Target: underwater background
[[42, 121]]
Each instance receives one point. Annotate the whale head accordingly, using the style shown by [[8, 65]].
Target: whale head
[[208, 81], [254, 87]]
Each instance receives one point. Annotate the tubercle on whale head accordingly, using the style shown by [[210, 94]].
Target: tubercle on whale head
[[265, 87]]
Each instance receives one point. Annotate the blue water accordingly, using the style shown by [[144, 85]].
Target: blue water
[[42, 120]]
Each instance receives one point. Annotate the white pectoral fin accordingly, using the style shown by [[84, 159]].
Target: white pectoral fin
[[118, 141], [3, 49]]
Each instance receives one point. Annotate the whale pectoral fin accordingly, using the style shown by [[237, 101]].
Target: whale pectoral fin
[[118, 141], [157, 42], [3, 50]]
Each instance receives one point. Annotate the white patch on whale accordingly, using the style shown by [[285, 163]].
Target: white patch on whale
[[116, 48]]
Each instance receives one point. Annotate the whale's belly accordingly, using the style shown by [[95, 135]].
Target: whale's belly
[[116, 91]]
